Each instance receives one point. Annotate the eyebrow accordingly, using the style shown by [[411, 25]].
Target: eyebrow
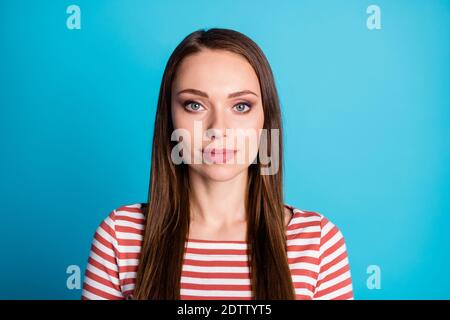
[[204, 94]]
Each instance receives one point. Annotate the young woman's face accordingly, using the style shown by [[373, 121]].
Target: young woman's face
[[216, 101]]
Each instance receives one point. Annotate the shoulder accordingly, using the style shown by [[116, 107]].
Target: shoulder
[[133, 213], [314, 222], [312, 231], [114, 254], [123, 222]]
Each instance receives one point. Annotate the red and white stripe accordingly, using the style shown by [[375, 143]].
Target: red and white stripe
[[317, 258]]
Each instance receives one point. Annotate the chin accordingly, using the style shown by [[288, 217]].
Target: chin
[[219, 172]]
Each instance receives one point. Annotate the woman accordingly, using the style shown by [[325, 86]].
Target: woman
[[215, 225]]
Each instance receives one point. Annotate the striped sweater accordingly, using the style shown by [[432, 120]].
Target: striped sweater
[[317, 258]]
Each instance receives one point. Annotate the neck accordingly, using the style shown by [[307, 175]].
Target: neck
[[218, 203]]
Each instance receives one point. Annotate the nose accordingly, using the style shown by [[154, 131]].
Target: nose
[[216, 126]]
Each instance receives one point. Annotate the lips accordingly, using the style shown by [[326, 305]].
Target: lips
[[218, 155]]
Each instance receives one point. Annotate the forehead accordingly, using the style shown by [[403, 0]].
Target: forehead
[[216, 71]]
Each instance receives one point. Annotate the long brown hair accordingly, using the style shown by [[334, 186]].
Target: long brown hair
[[167, 212]]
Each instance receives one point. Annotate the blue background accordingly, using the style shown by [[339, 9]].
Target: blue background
[[366, 118]]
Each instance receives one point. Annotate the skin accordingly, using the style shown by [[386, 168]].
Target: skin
[[218, 190]]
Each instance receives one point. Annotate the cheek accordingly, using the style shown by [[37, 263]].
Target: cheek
[[254, 142], [257, 117], [249, 142], [177, 118], [256, 123], [183, 131], [183, 122]]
